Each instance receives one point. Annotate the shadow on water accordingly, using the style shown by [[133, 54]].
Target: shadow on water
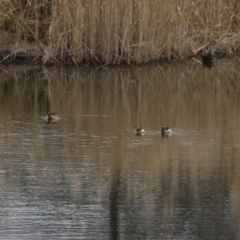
[[90, 176], [115, 193], [207, 60]]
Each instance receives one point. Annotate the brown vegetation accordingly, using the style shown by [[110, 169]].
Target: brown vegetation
[[114, 32]]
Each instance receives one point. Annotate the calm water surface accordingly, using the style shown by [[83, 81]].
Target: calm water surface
[[88, 176]]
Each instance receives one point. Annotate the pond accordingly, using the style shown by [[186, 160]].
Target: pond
[[89, 176]]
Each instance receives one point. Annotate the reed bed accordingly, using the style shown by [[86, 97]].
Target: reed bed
[[115, 32]]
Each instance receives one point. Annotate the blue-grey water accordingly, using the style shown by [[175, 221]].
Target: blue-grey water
[[89, 176]]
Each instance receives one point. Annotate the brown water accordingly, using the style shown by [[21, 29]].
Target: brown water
[[88, 176]]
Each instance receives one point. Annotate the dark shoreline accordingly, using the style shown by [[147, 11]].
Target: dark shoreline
[[31, 54]]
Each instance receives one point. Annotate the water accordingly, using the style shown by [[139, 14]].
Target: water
[[88, 176]]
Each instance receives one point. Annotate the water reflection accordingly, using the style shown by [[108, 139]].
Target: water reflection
[[89, 175]]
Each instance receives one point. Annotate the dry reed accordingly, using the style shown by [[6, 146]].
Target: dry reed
[[114, 32]]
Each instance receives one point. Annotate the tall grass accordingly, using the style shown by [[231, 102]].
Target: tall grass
[[114, 32]]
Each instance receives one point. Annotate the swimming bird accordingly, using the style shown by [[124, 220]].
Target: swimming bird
[[51, 117], [139, 130], [165, 129]]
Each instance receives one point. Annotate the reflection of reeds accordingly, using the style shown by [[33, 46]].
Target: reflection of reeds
[[137, 92], [109, 31]]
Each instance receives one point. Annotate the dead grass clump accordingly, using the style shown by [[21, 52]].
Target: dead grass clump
[[110, 31]]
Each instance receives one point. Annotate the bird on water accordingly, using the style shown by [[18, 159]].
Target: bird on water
[[139, 130]]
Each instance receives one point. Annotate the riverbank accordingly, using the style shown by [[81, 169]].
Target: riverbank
[[117, 32]]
